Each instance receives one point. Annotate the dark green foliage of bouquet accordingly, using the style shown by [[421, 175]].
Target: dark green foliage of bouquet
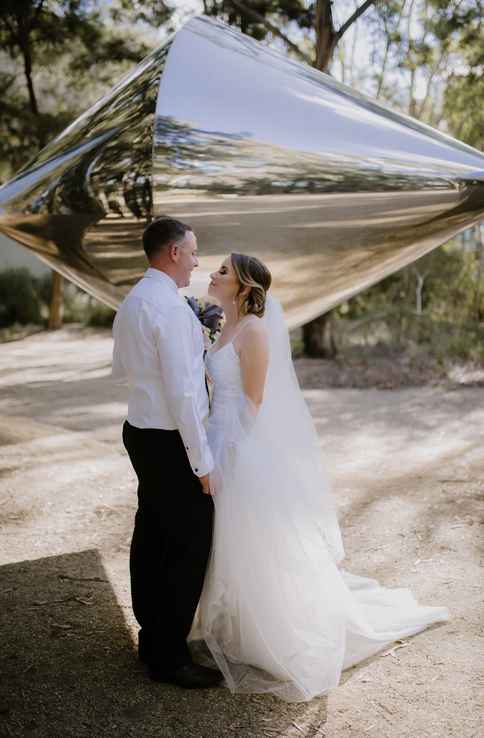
[[209, 315]]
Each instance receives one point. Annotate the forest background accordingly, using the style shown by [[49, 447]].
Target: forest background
[[421, 57]]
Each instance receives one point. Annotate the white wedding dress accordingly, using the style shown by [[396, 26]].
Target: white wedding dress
[[276, 612]]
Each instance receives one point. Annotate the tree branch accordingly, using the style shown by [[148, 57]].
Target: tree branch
[[258, 18], [11, 29], [354, 17], [38, 9], [435, 70], [387, 47], [24, 43], [353, 48]]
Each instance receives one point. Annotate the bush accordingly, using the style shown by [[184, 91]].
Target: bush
[[78, 306], [19, 299], [25, 299], [100, 315], [400, 330], [75, 302], [43, 287]]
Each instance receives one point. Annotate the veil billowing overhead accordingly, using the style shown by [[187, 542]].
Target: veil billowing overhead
[[276, 612]]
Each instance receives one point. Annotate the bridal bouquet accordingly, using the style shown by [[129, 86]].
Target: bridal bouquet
[[209, 315]]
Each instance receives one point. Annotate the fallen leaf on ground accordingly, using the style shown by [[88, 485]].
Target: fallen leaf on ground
[[391, 652]]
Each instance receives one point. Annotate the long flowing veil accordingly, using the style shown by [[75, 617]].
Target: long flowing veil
[[277, 446], [286, 423]]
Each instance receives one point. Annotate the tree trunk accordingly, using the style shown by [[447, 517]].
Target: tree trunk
[[418, 293], [383, 66], [419, 285], [56, 302], [326, 37], [26, 51], [480, 259], [30, 85], [318, 337]]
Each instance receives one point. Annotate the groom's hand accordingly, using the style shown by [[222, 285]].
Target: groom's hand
[[205, 482]]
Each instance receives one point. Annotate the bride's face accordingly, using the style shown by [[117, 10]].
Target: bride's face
[[224, 284]]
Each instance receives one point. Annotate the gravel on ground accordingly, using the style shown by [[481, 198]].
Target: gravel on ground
[[408, 473]]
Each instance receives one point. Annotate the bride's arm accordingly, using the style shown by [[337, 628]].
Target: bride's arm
[[253, 349]]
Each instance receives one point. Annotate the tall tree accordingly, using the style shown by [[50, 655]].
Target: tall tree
[[327, 36], [265, 17], [33, 31], [318, 335], [463, 107], [23, 24], [268, 17]]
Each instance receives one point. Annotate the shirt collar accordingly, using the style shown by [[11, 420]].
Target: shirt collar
[[161, 277]]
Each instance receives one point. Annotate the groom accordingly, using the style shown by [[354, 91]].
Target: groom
[[158, 350]]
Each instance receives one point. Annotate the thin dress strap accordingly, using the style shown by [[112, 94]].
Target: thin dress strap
[[241, 327], [214, 350]]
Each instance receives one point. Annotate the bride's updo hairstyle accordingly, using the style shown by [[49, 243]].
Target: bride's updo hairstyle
[[254, 275]]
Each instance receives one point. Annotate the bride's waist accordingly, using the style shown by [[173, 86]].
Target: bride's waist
[[224, 402]]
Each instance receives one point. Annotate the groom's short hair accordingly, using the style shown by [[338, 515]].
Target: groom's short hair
[[161, 233]]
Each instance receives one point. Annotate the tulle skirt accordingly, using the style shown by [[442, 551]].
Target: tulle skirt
[[277, 612]]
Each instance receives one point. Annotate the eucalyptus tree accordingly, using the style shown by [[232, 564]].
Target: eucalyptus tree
[[65, 43]]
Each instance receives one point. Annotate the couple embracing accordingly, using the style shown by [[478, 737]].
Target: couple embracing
[[235, 515]]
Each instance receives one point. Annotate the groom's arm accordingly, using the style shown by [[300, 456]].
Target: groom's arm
[[175, 350], [118, 372]]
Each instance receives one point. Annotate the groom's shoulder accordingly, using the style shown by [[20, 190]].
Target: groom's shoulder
[[148, 293]]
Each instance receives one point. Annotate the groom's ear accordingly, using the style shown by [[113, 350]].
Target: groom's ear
[[173, 251]]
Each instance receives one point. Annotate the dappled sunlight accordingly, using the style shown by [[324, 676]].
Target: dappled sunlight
[[407, 473]]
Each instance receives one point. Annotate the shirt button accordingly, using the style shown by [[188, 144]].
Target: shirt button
[[196, 469], [186, 448]]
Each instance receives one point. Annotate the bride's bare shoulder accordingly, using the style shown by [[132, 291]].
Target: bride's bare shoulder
[[253, 333]]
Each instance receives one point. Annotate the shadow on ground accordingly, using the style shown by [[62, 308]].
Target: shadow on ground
[[409, 478], [69, 668]]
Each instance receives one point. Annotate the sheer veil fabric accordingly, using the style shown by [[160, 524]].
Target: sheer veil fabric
[[277, 612]]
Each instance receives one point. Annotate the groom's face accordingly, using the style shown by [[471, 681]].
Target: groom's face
[[186, 259]]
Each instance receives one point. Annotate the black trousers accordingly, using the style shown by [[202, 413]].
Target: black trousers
[[171, 544]]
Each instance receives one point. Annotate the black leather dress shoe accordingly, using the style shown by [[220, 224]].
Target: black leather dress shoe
[[190, 676]]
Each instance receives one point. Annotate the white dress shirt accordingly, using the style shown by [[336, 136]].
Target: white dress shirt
[[158, 350]]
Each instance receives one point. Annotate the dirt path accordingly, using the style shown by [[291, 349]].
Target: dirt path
[[408, 471]]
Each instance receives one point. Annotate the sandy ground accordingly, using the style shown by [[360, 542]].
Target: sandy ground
[[408, 472]]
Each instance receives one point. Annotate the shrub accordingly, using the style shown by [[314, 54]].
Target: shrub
[[43, 287], [78, 306], [100, 315], [19, 299]]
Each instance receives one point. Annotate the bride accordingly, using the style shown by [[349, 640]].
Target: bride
[[277, 612]]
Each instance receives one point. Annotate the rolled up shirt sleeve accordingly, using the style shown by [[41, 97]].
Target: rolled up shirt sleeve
[[173, 338]]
